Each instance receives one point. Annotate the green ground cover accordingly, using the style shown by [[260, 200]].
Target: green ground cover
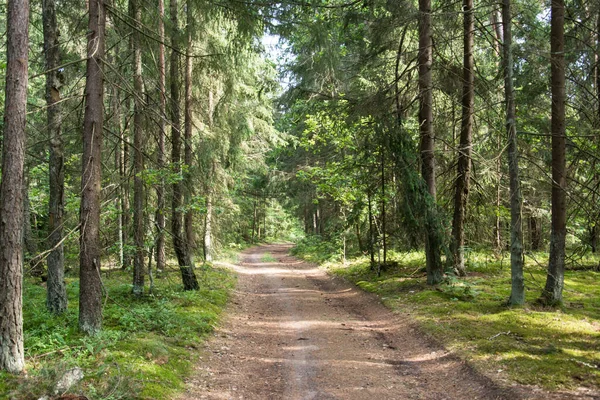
[[553, 348], [147, 346]]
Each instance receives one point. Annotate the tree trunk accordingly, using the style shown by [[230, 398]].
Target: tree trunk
[[371, 231], [90, 292], [464, 148], [185, 262], [56, 298], [11, 188], [29, 236], [595, 212], [361, 247], [552, 293], [432, 242], [160, 188], [208, 229], [124, 189], [517, 295], [254, 222], [535, 230], [138, 161], [188, 219], [383, 220], [496, 20]]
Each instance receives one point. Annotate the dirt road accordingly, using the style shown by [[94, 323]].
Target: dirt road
[[293, 332]]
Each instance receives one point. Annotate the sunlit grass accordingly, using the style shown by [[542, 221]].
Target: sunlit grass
[[552, 348]]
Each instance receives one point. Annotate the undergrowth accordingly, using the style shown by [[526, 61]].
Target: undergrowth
[[552, 348], [146, 347]]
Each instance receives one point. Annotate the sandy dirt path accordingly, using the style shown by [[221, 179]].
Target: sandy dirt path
[[293, 332]]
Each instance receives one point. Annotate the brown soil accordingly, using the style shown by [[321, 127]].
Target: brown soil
[[293, 332]]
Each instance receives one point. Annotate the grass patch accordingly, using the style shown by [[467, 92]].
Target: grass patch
[[553, 348], [146, 347], [268, 258]]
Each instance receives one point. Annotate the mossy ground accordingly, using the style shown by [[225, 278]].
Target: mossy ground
[[145, 350], [553, 348]]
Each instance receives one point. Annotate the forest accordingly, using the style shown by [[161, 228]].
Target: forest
[[442, 155]]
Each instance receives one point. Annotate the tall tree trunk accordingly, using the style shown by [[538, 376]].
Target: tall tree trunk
[[254, 222], [138, 161], [188, 219], [160, 188], [464, 149], [535, 230], [116, 121], [552, 293], [29, 236], [595, 211], [208, 228], [383, 220], [56, 298], [371, 230], [432, 241], [185, 262], [496, 20], [517, 295], [90, 289], [11, 188], [361, 247], [124, 189]]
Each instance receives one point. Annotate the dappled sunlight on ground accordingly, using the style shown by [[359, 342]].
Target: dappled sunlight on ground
[[295, 333]]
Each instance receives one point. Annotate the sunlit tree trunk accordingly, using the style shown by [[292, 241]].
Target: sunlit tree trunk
[[138, 161], [464, 149], [56, 298], [160, 188], [552, 293], [517, 295], [11, 188], [432, 241], [208, 228]]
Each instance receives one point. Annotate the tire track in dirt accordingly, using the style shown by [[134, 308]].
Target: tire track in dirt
[[293, 332]]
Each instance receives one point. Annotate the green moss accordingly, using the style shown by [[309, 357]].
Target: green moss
[[552, 348], [146, 347]]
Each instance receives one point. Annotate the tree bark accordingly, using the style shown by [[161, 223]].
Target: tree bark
[[188, 219], [432, 242], [371, 230], [535, 231], [185, 262], [552, 293], [138, 161], [125, 204], [595, 211], [464, 149], [11, 188], [383, 220], [90, 289], [160, 188], [56, 298], [517, 295], [208, 229], [29, 236]]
